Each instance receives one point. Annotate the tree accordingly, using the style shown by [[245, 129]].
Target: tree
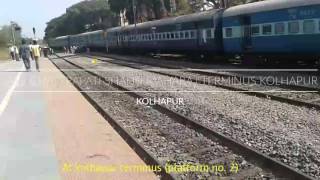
[[147, 10], [201, 5], [6, 35], [85, 16]]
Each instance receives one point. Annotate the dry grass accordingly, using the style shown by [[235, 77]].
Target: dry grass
[[4, 55]]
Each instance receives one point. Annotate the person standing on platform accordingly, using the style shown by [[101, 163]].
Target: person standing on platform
[[36, 53], [11, 49], [25, 54], [16, 53], [31, 53]]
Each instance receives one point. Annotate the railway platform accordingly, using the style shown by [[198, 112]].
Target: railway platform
[[48, 130]]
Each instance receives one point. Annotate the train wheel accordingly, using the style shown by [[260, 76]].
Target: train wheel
[[248, 60]]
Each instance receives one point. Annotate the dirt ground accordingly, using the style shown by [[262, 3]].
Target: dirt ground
[[4, 54]]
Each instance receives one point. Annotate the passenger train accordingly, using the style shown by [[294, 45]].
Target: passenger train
[[266, 29]]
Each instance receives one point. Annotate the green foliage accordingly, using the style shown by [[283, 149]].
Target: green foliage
[[156, 9], [149, 9], [6, 40], [183, 7], [85, 16], [6, 36]]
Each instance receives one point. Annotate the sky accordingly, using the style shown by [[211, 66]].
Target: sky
[[32, 13]]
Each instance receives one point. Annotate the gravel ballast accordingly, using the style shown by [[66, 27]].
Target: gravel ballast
[[167, 140], [286, 132]]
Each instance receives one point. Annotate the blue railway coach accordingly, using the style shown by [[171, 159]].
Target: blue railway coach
[[195, 33], [268, 29], [59, 42], [274, 27]]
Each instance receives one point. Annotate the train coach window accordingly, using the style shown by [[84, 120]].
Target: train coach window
[[177, 35], [209, 33], [186, 34], [279, 28], [255, 30], [192, 34], [172, 35], [181, 35], [294, 27], [309, 26], [267, 29], [228, 32]]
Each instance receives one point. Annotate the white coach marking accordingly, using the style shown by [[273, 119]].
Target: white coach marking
[[6, 99]]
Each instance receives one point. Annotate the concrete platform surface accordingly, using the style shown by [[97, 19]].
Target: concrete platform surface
[[49, 131]]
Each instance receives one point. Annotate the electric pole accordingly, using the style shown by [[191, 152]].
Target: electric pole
[[34, 32], [13, 24]]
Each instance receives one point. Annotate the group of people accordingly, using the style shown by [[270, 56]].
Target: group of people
[[71, 49], [25, 52]]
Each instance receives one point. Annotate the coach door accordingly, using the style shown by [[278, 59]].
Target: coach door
[[201, 37], [246, 31]]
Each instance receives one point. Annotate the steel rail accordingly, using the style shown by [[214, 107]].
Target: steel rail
[[295, 102], [280, 85], [146, 156], [278, 168]]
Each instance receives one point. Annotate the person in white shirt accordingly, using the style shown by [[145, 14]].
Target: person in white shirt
[[31, 53], [16, 53], [11, 50]]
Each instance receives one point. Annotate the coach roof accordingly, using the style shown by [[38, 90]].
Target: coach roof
[[62, 37], [174, 20], [267, 5], [92, 32]]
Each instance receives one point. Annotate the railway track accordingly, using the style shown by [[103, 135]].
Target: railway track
[[220, 69], [278, 169], [133, 143], [291, 94]]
